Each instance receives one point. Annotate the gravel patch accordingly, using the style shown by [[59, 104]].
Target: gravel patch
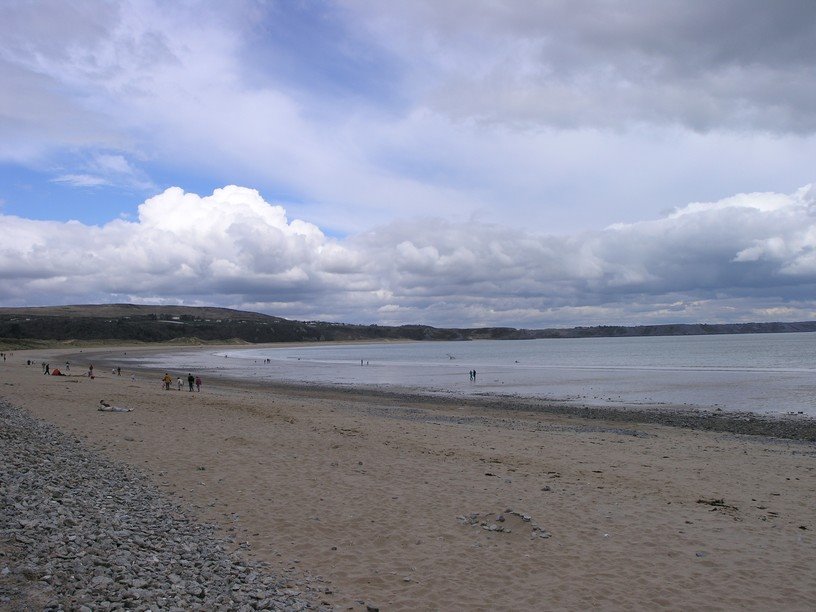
[[81, 532]]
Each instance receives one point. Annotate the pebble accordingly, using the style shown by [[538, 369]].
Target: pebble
[[795, 427], [81, 532]]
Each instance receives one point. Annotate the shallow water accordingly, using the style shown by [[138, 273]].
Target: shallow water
[[764, 373]]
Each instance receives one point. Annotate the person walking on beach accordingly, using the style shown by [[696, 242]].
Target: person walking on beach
[[190, 381], [90, 371], [167, 380], [179, 384], [198, 383]]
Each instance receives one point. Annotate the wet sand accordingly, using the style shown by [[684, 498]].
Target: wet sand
[[411, 503]]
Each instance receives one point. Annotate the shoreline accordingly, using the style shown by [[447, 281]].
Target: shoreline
[[789, 426], [406, 502], [780, 425]]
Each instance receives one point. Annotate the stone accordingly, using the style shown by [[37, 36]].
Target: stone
[[113, 540]]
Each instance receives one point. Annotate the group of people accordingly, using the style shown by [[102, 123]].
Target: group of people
[[167, 380], [46, 368], [472, 375]]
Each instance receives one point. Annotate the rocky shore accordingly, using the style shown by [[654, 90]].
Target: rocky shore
[[786, 426], [80, 532]]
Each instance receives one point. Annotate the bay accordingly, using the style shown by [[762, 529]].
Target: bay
[[763, 373]]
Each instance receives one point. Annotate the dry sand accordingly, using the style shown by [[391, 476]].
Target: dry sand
[[379, 496]]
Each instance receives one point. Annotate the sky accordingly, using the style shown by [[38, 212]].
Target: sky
[[456, 163]]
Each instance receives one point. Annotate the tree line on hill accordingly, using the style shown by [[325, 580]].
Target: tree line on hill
[[139, 323]]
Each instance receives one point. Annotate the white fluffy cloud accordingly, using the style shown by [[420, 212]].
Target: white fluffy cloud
[[748, 257]]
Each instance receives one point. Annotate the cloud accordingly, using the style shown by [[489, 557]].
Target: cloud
[[486, 163], [81, 180], [730, 65], [106, 170], [747, 257], [44, 105], [356, 112]]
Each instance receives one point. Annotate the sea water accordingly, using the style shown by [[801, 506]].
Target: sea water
[[764, 373]]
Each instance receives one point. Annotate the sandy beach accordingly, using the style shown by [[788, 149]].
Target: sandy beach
[[404, 503]]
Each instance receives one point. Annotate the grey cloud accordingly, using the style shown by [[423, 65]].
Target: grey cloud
[[36, 117], [735, 65], [59, 63], [114, 46], [48, 29]]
